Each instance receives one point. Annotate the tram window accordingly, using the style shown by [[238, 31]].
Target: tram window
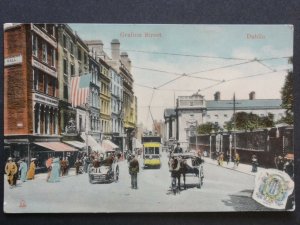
[[149, 150], [156, 150]]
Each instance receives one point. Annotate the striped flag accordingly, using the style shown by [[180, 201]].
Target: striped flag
[[80, 88]]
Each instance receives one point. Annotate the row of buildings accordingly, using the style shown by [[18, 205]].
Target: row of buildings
[[181, 122], [40, 62]]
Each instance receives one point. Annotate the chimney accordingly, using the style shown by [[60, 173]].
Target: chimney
[[96, 46], [252, 95], [126, 61], [115, 49], [217, 96]]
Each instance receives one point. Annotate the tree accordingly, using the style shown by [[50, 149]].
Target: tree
[[205, 128], [249, 121], [288, 99]]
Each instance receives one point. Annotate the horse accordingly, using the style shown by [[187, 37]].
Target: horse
[[178, 167]]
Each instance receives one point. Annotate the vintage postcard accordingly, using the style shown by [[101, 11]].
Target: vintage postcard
[[148, 118]]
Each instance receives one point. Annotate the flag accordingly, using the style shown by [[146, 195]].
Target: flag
[[80, 88]]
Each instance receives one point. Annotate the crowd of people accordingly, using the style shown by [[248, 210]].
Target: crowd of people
[[18, 170]]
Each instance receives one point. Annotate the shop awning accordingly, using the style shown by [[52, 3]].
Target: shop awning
[[95, 146], [76, 144], [108, 145], [56, 146]]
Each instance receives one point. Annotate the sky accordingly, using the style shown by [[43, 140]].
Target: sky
[[204, 58]]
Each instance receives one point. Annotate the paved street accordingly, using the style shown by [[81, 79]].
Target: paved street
[[223, 190]]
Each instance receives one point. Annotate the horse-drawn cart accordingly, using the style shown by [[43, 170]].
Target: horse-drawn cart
[[187, 165]]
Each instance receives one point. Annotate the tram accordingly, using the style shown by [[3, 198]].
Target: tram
[[151, 151]]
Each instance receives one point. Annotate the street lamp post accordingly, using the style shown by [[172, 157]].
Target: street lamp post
[[86, 128], [210, 146]]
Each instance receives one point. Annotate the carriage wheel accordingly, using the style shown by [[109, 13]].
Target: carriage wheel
[[200, 177], [90, 179]]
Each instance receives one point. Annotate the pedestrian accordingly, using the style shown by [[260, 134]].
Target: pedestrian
[[280, 163], [133, 171], [178, 149], [31, 171], [220, 159], [254, 162], [227, 156], [77, 165], [174, 167], [67, 166], [276, 161], [16, 175], [10, 170], [23, 169], [289, 168], [236, 160], [55, 171], [49, 167], [63, 167]]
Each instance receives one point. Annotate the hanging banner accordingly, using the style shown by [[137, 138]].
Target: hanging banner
[[272, 188]]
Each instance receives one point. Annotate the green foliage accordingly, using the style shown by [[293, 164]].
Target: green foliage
[[249, 121], [205, 128], [288, 99]]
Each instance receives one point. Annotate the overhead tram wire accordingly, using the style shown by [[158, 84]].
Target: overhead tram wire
[[200, 56], [239, 78], [181, 54]]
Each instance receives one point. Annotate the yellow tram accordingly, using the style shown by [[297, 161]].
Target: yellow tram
[[151, 151]]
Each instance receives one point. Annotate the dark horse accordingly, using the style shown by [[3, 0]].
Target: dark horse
[[179, 167]]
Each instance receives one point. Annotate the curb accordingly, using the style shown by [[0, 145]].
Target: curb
[[251, 174]]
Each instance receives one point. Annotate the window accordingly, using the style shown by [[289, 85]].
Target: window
[[53, 57], [65, 67], [72, 70], [66, 91], [35, 79], [53, 30], [71, 48], [34, 45], [64, 41], [79, 54], [44, 52], [53, 87], [46, 84], [85, 59]]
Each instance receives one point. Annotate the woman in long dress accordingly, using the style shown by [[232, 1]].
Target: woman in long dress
[[23, 170], [54, 176], [31, 171]]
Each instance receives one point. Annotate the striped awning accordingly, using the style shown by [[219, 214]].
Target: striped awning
[[56, 146], [90, 141], [76, 144], [108, 145]]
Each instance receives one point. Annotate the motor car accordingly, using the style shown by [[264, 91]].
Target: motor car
[[104, 171]]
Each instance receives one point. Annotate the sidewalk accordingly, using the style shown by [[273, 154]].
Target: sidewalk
[[243, 168], [43, 176]]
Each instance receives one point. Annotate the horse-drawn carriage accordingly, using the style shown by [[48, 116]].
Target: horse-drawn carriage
[[187, 165]]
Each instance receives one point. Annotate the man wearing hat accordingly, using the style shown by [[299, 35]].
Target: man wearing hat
[[10, 169], [178, 149], [133, 171]]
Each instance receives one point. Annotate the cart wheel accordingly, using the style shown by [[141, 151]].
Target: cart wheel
[[200, 177]]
